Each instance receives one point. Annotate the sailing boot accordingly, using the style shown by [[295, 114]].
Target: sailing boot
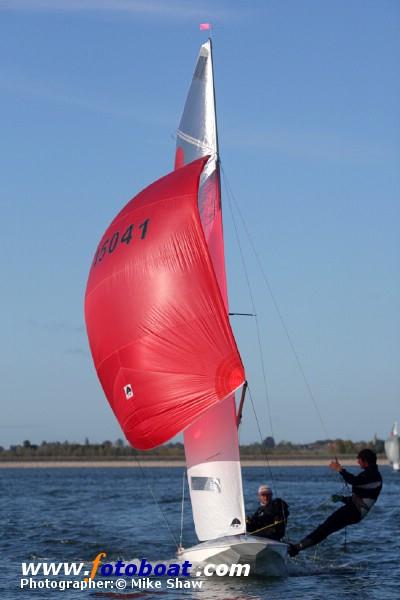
[[294, 549]]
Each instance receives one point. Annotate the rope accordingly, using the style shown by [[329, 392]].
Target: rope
[[267, 526], [156, 502]]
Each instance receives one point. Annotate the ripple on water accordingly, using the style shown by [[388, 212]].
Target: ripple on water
[[84, 512]]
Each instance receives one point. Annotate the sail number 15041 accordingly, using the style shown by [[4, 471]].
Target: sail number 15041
[[110, 244]]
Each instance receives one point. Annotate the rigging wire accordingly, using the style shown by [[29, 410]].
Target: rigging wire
[[268, 466], [156, 501], [253, 304], [275, 303], [347, 492], [266, 458], [233, 201]]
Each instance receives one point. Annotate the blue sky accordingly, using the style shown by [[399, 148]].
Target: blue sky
[[91, 93]]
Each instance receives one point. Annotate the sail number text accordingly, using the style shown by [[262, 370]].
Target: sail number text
[[110, 244]]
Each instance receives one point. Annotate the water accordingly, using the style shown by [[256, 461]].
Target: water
[[70, 515]]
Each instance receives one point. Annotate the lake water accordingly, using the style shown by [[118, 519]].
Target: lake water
[[70, 515]]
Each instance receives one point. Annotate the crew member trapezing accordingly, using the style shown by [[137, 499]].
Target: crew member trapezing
[[366, 488]]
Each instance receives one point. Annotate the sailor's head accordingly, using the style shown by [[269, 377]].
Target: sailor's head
[[366, 458], [264, 494]]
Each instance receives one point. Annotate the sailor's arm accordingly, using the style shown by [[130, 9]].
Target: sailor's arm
[[348, 477], [254, 522], [249, 524]]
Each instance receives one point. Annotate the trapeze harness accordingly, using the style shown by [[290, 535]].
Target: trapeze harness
[[366, 488]]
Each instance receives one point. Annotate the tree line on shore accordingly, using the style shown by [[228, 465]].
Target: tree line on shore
[[120, 450]]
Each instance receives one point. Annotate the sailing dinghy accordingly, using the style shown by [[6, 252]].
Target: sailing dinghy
[[156, 310], [392, 448]]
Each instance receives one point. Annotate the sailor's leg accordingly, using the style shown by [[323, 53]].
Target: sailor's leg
[[346, 515]]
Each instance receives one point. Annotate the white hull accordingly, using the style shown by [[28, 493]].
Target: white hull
[[265, 557]]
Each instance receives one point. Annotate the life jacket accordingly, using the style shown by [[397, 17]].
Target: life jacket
[[270, 520], [366, 488]]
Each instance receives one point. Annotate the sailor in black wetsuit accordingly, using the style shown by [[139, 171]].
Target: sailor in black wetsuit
[[270, 518], [366, 488]]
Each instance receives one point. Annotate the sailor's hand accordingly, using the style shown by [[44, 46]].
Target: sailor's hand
[[335, 465], [336, 498]]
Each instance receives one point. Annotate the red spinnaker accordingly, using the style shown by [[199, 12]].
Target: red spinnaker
[[158, 330]]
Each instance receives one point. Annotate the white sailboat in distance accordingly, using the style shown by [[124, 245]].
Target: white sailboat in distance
[[392, 447]]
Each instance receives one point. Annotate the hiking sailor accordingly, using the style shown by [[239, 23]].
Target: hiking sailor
[[366, 488]]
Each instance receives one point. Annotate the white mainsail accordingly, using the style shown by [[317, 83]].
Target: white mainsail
[[211, 443], [392, 448]]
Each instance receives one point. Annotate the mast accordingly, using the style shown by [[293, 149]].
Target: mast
[[218, 159], [215, 101], [211, 443]]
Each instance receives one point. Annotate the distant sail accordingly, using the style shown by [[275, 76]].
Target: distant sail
[[392, 448], [159, 334], [211, 443]]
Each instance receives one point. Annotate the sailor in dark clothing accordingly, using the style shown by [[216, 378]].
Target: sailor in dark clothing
[[270, 518], [366, 488]]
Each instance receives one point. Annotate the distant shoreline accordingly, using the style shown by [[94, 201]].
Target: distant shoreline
[[116, 464]]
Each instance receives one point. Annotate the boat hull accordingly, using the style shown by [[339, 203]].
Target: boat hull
[[266, 557]]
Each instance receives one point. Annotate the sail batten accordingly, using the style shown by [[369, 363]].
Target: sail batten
[[194, 141]]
